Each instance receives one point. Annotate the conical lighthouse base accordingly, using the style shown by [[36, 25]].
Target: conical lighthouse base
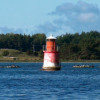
[[51, 61]]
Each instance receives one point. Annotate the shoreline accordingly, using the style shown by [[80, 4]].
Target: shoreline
[[42, 62]]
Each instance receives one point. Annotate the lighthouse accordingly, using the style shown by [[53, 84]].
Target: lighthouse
[[51, 55]]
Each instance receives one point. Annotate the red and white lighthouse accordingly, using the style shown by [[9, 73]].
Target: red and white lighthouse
[[51, 55]]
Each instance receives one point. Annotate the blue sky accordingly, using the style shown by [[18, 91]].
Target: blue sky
[[49, 16]]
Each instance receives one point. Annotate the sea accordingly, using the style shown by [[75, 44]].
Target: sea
[[29, 82]]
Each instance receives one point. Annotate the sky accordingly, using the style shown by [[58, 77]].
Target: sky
[[55, 17]]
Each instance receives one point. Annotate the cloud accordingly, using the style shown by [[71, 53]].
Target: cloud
[[67, 17], [11, 30], [79, 7], [87, 17], [47, 28], [73, 18]]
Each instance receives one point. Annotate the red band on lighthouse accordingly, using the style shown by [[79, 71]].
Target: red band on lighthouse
[[51, 57]]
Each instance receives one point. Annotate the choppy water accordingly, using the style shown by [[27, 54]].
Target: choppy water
[[30, 83]]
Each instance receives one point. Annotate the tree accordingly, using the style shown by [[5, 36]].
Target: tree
[[5, 53]]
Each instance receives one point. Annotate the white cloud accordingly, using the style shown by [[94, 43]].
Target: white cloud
[[68, 17], [88, 17], [71, 17], [11, 30], [46, 28]]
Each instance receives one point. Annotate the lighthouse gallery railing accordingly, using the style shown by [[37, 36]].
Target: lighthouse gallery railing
[[50, 48]]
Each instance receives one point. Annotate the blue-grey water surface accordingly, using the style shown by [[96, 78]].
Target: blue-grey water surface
[[30, 83]]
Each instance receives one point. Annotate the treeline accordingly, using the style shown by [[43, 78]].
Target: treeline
[[24, 43], [84, 46]]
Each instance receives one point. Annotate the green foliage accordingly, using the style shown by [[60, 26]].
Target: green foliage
[[40, 54], [22, 42], [84, 46], [9, 52], [5, 53], [29, 52]]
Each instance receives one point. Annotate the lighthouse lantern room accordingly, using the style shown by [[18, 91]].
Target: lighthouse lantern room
[[51, 55]]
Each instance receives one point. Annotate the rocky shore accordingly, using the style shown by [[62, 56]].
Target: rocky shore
[[83, 66], [10, 66]]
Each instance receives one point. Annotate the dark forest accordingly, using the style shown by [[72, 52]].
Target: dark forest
[[83, 46]]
